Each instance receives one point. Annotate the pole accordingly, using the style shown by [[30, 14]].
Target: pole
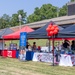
[[49, 45], [20, 24], [3, 47], [53, 48], [3, 44], [20, 18], [57, 12]]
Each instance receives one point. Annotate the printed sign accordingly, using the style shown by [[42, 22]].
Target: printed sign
[[44, 57], [23, 38], [9, 53]]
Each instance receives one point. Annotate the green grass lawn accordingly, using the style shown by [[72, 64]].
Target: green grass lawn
[[12, 66], [39, 42]]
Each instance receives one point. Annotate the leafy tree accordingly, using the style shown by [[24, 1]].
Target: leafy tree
[[72, 0], [7, 21], [15, 20], [35, 16], [6, 17], [47, 11], [4, 21], [63, 10], [24, 16]]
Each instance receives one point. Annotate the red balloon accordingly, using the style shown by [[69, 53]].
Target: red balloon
[[48, 34], [57, 28], [51, 33], [52, 28], [55, 31], [48, 29]]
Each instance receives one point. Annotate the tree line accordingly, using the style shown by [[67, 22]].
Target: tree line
[[46, 11]]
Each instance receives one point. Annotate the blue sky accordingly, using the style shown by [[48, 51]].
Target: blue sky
[[10, 7]]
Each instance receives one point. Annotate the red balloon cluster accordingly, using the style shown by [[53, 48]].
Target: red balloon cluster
[[52, 30]]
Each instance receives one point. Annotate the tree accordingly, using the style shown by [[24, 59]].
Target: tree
[[63, 10], [6, 17], [5, 21], [23, 14], [15, 20], [47, 11], [72, 0]]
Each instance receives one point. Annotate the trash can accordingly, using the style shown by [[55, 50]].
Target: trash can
[[29, 55]]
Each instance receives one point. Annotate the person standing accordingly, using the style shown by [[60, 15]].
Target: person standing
[[73, 45], [34, 47], [66, 45]]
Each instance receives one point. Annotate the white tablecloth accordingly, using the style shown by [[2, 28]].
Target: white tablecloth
[[44, 57], [46, 49], [65, 60]]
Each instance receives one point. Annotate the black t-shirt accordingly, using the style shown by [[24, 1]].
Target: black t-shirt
[[27, 46], [65, 45], [73, 47]]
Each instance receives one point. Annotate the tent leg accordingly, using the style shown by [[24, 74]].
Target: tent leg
[[53, 48], [3, 45], [49, 45]]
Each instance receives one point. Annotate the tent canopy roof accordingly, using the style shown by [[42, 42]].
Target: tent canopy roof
[[5, 31], [41, 33], [16, 35], [63, 33], [70, 29]]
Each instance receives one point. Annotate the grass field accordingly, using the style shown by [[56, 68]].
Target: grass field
[[10, 66], [39, 42]]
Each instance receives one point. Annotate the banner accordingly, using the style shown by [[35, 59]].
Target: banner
[[23, 38], [44, 57], [9, 53], [65, 60]]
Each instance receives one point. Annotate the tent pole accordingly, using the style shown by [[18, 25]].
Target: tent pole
[[49, 45], [53, 48], [3, 45], [11, 41]]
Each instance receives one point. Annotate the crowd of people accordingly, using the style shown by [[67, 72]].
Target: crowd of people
[[29, 47], [66, 47], [12, 46], [32, 47]]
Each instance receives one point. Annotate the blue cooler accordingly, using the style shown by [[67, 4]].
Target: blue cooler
[[29, 55]]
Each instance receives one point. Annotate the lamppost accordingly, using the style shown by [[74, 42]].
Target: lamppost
[[20, 18], [58, 12]]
